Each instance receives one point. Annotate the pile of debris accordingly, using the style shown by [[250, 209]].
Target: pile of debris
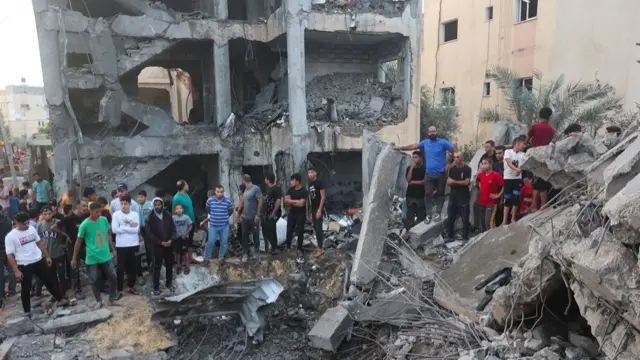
[[338, 6]]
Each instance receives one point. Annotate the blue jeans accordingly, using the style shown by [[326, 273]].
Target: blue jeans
[[214, 233]]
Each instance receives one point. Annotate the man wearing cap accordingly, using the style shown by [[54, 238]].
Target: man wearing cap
[[115, 203]]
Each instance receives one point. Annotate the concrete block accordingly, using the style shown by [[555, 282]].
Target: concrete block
[[376, 217], [624, 168], [371, 148], [160, 123], [622, 210], [5, 348], [139, 26], [330, 329], [17, 327], [111, 107], [75, 323], [426, 234]]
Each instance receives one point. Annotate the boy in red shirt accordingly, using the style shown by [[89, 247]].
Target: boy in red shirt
[[541, 134], [526, 194], [490, 182]]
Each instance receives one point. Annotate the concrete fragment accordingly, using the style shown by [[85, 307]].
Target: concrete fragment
[[160, 123], [71, 21], [546, 354], [371, 148], [181, 30], [265, 97], [139, 26], [624, 168], [376, 104], [616, 338], [606, 273], [590, 345], [17, 327], [624, 214], [595, 171], [574, 353], [331, 329], [414, 265], [103, 52], [111, 107], [504, 133], [427, 235], [142, 7], [376, 217], [75, 323], [6, 347], [533, 344]]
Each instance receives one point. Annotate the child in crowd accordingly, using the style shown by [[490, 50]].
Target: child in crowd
[[239, 210], [14, 201], [34, 215], [183, 226], [491, 190], [56, 243], [512, 180], [105, 208], [526, 194], [23, 195]]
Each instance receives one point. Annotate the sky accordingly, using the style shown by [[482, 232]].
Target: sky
[[20, 56]]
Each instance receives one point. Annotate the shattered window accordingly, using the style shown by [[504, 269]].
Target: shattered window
[[527, 9]]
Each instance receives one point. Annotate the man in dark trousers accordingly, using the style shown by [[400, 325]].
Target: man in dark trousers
[[159, 230], [317, 197], [296, 200], [272, 212], [459, 180], [415, 192], [5, 227]]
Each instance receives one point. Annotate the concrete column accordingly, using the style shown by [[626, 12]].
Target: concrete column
[[296, 17], [230, 176], [408, 79], [222, 76]]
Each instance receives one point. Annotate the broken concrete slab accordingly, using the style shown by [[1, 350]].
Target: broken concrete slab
[[18, 326], [504, 133], [616, 338], [71, 21], [624, 168], [75, 323], [5, 348], [111, 107], [331, 329], [139, 26], [607, 272], [33, 347], [103, 52], [371, 148], [595, 171], [426, 235], [484, 255], [160, 123], [376, 217], [624, 214]]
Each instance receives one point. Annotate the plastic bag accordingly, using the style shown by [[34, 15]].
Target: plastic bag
[[281, 231]]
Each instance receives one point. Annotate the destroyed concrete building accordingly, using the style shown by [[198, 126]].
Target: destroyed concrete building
[[271, 84]]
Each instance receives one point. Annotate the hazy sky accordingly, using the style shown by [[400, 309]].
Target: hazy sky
[[20, 57]]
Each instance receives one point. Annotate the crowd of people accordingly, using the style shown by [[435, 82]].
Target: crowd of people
[[505, 192], [47, 241]]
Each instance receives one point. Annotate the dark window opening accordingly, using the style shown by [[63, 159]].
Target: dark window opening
[[450, 31]]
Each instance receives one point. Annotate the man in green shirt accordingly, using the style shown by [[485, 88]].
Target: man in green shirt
[[182, 198], [43, 191], [95, 233]]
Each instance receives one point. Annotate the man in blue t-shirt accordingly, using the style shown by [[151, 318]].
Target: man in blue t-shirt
[[436, 165]]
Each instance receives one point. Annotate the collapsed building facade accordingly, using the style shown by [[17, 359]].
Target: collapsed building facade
[[270, 85]]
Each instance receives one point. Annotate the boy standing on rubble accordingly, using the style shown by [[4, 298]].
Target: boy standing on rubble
[[126, 225], [183, 225], [512, 180], [459, 178], [414, 196], [491, 190], [541, 134], [296, 199]]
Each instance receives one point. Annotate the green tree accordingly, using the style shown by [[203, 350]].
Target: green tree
[[444, 118], [586, 103], [45, 129]]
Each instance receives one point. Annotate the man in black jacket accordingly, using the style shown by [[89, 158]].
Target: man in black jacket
[[5, 228], [159, 230]]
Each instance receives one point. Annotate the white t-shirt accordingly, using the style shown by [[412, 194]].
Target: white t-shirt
[[22, 244], [516, 159], [121, 225]]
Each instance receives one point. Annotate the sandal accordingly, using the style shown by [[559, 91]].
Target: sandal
[[133, 291]]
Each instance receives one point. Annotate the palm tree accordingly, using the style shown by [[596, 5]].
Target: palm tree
[[585, 103]]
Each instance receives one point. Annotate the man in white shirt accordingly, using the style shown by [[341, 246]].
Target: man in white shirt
[[125, 224], [512, 180], [27, 257]]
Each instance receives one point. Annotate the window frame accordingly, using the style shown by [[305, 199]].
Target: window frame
[[445, 95], [443, 28], [486, 89], [518, 11], [523, 83], [488, 13]]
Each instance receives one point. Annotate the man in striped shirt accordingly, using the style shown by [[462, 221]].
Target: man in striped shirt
[[219, 208]]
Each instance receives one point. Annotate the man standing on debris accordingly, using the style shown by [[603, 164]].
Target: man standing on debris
[[56, 243], [435, 181], [159, 228], [220, 208], [317, 197], [512, 180], [28, 256], [43, 191], [126, 225], [296, 200], [182, 198], [70, 224], [491, 189], [415, 191], [95, 234], [459, 180], [252, 207], [498, 165], [5, 227], [272, 212], [146, 207], [541, 134]]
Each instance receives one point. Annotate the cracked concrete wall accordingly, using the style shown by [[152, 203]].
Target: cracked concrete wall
[[121, 44]]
